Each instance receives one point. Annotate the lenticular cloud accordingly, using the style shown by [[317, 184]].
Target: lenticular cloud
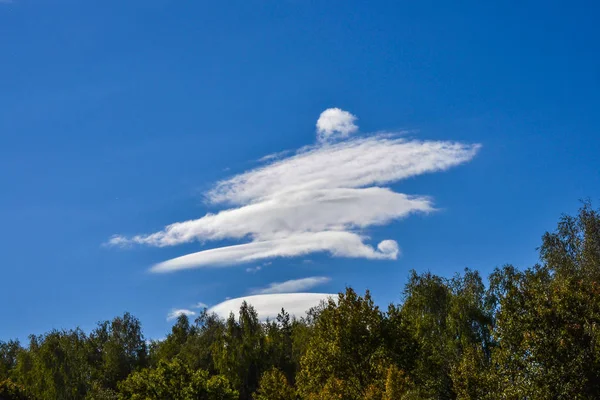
[[319, 199]]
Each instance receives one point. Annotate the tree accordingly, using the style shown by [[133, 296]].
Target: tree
[[427, 303], [471, 375], [346, 348], [175, 341], [55, 366], [8, 357], [548, 317], [98, 392], [397, 384], [279, 345], [449, 319], [175, 381], [274, 386], [240, 354], [11, 391], [117, 348]]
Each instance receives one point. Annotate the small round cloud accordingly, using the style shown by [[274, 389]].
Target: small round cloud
[[389, 248], [335, 123]]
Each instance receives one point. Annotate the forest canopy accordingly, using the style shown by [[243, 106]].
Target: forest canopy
[[519, 334]]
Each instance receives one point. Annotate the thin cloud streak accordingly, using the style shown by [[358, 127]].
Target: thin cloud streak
[[294, 285], [337, 244], [176, 313]]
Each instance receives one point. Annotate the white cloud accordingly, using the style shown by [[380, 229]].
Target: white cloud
[[269, 305], [336, 243], [274, 156], [285, 213], [355, 163], [319, 199], [294, 285], [253, 269], [200, 305], [175, 313], [334, 123]]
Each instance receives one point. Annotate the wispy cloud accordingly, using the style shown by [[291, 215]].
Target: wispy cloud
[[200, 305], [175, 313], [319, 199], [269, 305], [253, 270], [274, 156], [336, 243], [294, 285]]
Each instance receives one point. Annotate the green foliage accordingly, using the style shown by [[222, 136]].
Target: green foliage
[[55, 367], [116, 349], [99, 392], [8, 357], [530, 334], [397, 384], [274, 386], [280, 345], [346, 348], [240, 354], [448, 319], [11, 391], [173, 345], [174, 380], [548, 317]]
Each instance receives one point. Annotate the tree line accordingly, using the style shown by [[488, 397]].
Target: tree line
[[522, 334]]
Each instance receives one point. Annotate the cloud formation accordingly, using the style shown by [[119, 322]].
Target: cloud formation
[[335, 123], [175, 313], [336, 243], [319, 199], [269, 305], [294, 285]]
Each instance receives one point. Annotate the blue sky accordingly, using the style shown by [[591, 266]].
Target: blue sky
[[120, 118]]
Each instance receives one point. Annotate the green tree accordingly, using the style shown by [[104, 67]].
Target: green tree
[[548, 317], [8, 357], [448, 320], [175, 341], [55, 366], [197, 352], [427, 303], [401, 346], [346, 349], [279, 345], [240, 354], [471, 374], [98, 392], [116, 349], [175, 381], [11, 391], [274, 386]]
